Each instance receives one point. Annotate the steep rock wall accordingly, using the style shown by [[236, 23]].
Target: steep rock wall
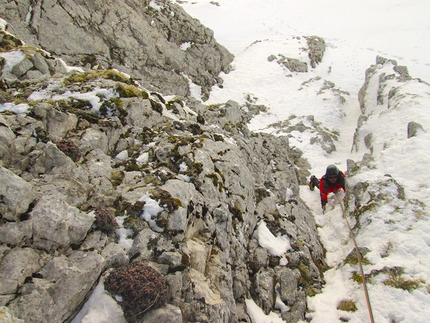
[[156, 42], [99, 172]]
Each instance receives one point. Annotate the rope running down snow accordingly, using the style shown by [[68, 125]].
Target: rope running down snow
[[357, 252]]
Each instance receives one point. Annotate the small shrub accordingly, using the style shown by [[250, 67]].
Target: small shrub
[[70, 149], [105, 219], [140, 286]]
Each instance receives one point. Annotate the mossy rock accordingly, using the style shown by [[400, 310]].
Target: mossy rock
[[117, 177], [130, 91], [9, 42], [91, 75], [156, 106], [165, 199], [42, 135], [113, 107], [215, 180], [133, 210]]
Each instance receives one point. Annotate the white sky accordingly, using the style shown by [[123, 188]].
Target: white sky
[[355, 33]]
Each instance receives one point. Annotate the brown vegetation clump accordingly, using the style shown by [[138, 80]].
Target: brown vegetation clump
[[70, 149], [140, 286], [105, 219]]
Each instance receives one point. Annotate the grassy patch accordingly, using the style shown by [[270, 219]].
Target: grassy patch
[[347, 305], [396, 280]]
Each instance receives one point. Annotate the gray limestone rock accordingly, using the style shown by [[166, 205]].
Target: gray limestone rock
[[169, 313], [13, 233], [154, 42], [16, 193], [414, 129], [295, 65], [316, 49], [15, 267], [57, 225], [65, 283]]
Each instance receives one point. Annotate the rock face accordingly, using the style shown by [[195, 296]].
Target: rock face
[[391, 95], [98, 172], [156, 42], [315, 48]]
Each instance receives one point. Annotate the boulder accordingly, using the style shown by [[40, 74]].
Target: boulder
[[57, 225], [17, 195]]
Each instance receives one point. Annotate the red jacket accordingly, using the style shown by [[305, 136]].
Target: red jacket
[[326, 187]]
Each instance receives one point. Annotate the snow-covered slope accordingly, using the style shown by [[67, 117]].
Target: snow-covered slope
[[320, 112]]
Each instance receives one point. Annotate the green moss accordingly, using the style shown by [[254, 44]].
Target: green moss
[[151, 179], [220, 174], [193, 169], [132, 210], [215, 181], [162, 222], [304, 271], [91, 60], [237, 211], [213, 107], [347, 305], [113, 107], [171, 105], [76, 107], [299, 243], [130, 91], [78, 77], [91, 75], [218, 138], [9, 42], [117, 177], [156, 106], [42, 135], [357, 278], [165, 199], [131, 166], [354, 261], [260, 194]]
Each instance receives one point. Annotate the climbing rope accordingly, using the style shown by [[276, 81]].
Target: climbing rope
[[357, 252]]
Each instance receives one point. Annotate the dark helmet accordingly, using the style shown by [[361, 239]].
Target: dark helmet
[[332, 171]]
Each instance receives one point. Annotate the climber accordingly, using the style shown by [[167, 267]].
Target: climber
[[332, 181]]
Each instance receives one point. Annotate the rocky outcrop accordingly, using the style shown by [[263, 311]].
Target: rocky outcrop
[[386, 91], [156, 42], [99, 172], [315, 48]]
